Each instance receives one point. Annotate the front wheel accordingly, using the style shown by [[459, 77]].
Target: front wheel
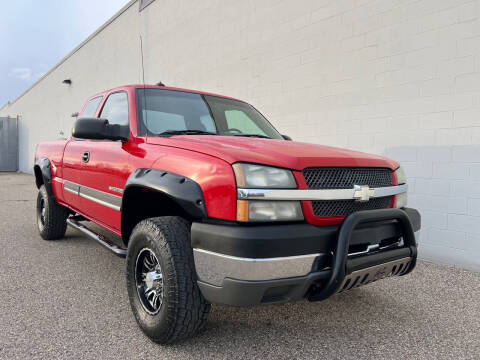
[[51, 217], [161, 280]]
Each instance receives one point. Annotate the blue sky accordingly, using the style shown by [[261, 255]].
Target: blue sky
[[35, 35]]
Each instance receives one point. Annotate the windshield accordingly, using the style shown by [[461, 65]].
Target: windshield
[[168, 112]]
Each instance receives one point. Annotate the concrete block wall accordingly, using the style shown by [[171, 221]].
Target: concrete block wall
[[394, 77], [398, 78]]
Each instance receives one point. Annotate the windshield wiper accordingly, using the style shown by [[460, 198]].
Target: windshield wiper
[[254, 135], [202, 132], [186, 132]]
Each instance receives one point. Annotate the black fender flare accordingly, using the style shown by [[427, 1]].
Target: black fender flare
[[43, 174], [185, 192]]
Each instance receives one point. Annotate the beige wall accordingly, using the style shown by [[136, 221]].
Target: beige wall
[[394, 77]]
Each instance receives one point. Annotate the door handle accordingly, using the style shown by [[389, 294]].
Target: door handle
[[86, 156]]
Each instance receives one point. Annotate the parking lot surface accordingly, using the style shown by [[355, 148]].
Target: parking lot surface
[[67, 299]]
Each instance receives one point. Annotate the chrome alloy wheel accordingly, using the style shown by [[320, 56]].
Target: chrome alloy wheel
[[149, 281]]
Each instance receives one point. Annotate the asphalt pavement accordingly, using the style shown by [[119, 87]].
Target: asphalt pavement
[[67, 299]]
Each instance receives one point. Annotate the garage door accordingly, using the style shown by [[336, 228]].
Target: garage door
[[8, 144]]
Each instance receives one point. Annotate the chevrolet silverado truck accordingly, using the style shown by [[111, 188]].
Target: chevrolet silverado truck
[[211, 204]]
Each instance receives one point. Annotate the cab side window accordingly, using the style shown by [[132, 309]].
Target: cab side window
[[91, 107], [115, 109]]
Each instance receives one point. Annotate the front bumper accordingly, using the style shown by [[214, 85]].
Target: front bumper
[[251, 265]]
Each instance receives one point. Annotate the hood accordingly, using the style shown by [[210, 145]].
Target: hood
[[280, 153]]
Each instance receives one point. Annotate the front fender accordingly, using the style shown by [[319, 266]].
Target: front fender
[[184, 191], [43, 174], [150, 192]]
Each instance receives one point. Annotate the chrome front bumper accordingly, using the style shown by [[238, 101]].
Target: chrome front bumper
[[245, 265], [213, 268]]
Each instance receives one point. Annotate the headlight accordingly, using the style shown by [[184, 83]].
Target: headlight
[[251, 176], [258, 177], [401, 176], [401, 199], [269, 210]]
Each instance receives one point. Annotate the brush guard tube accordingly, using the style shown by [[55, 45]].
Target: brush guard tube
[[343, 266]]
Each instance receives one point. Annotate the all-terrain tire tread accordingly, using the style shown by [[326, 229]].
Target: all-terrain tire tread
[[189, 313], [56, 215]]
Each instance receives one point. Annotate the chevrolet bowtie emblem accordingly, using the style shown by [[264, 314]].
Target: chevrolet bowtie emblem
[[362, 193]]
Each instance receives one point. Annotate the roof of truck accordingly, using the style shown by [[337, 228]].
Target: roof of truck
[[139, 86]]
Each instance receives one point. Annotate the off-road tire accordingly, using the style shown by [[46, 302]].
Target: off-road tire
[[53, 224], [184, 311]]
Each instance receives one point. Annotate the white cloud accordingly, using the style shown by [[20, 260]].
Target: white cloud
[[21, 73]]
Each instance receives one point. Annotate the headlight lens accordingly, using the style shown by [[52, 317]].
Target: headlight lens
[[251, 176], [401, 176], [258, 177], [401, 199], [269, 210]]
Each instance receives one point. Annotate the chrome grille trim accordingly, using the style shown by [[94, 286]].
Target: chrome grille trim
[[329, 194]]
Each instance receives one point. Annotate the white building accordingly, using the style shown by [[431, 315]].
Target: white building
[[394, 77]]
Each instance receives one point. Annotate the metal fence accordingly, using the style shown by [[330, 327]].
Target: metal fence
[[8, 144]]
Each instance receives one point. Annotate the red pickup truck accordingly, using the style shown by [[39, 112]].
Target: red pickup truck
[[213, 205]]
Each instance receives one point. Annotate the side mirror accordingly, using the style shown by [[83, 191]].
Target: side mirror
[[99, 129], [286, 137]]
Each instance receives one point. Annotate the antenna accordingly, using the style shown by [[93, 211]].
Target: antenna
[[143, 68], [144, 90]]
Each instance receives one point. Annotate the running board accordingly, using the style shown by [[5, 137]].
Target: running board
[[99, 238]]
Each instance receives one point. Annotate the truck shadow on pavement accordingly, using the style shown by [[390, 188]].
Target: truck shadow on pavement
[[365, 313]]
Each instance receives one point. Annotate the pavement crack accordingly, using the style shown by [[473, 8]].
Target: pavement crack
[[19, 200]]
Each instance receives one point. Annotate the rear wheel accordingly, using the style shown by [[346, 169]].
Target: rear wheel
[[51, 217], [161, 280]]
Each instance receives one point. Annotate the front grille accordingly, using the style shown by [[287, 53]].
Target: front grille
[[346, 178], [346, 207]]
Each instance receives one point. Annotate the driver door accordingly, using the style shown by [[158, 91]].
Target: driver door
[[108, 166], [73, 161]]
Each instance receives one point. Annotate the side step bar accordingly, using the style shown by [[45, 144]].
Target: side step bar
[[73, 222]]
